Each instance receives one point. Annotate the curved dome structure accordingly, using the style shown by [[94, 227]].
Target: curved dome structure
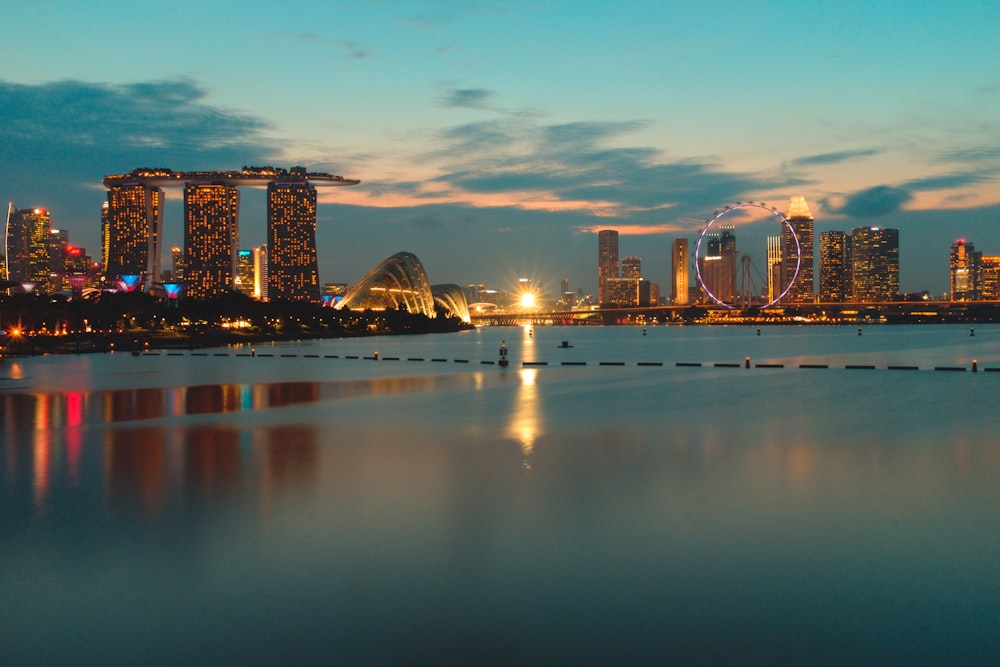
[[397, 281], [451, 298]]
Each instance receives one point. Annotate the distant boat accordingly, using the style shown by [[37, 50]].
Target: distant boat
[[565, 344]]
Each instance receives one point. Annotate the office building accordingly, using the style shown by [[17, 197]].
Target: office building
[[105, 236], [631, 267], [774, 285], [260, 271], [244, 282], [835, 267], [718, 266], [989, 278], [679, 262], [176, 264], [27, 241], [800, 220], [607, 262], [963, 271], [211, 239], [134, 221], [875, 264], [291, 238]]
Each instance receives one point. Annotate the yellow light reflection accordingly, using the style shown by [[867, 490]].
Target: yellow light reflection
[[526, 423]]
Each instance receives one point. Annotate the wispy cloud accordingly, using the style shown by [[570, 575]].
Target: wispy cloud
[[834, 158], [349, 48], [468, 98]]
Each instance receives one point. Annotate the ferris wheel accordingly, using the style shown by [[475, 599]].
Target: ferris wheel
[[738, 258]]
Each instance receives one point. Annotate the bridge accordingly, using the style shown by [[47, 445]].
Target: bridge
[[897, 312]]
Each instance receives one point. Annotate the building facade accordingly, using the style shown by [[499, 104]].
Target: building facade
[[291, 237], [244, 272], [27, 246], [800, 220], [989, 278], [607, 262], [211, 239], [963, 266], [134, 224], [835, 267], [875, 264], [680, 259]]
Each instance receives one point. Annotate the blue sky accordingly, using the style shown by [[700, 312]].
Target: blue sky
[[494, 138]]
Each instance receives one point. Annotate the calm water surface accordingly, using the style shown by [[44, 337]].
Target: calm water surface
[[318, 510]]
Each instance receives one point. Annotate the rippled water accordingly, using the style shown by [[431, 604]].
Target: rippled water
[[320, 509]]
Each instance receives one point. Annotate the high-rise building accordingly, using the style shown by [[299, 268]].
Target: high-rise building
[[177, 263], [801, 221], [631, 267], [774, 285], [27, 246], [834, 266], [105, 236], [622, 292], [211, 238], [291, 237], [989, 278], [679, 260], [134, 220], [244, 282], [964, 271], [718, 266], [607, 261], [874, 264], [260, 270]]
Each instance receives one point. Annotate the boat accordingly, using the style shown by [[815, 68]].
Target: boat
[[565, 344]]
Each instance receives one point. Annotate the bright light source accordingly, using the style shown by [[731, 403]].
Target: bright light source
[[528, 300]]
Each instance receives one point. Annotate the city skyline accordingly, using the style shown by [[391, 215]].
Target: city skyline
[[494, 141]]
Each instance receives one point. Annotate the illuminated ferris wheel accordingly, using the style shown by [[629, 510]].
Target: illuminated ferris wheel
[[738, 256]]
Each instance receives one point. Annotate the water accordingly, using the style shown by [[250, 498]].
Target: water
[[283, 510]]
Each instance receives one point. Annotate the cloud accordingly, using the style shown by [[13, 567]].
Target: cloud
[[584, 166], [951, 181], [875, 202], [353, 50], [973, 155], [834, 158], [59, 139], [467, 98]]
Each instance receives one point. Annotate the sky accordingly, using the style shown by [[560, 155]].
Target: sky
[[494, 139]]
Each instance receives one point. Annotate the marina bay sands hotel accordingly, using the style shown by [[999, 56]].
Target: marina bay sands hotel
[[133, 227]]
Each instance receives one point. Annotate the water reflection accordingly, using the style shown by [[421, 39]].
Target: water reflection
[[149, 470], [526, 417], [40, 411]]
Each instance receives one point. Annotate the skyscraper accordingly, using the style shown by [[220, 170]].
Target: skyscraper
[[801, 221], [679, 259], [177, 263], [875, 264], [718, 266], [607, 261], [631, 267], [291, 239], [27, 246], [963, 271], [989, 278], [834, 266], [774, 286], [244, 272], [105, 236], [211, 238], [134, 220], [260, 271]]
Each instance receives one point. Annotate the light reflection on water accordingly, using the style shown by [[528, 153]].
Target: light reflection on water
[[391, 513]]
